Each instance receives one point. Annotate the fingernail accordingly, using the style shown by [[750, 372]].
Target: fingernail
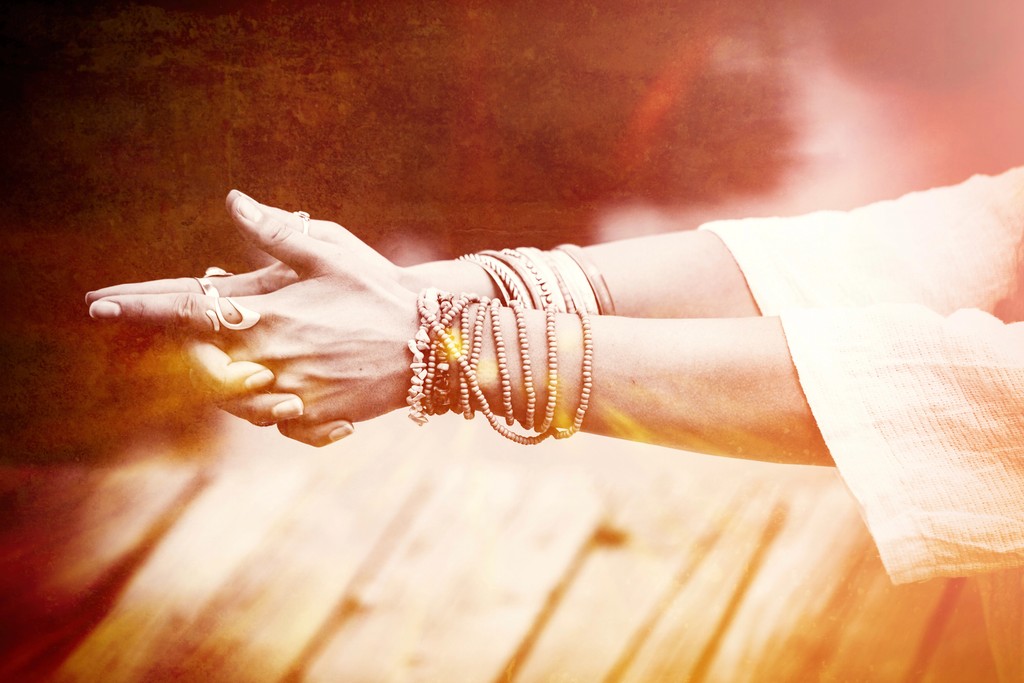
[[341, 432], [88, 297], [104, 309], [248, 209], [259, 380], [286, 410]]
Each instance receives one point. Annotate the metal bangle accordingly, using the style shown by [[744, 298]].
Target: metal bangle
[[606, 306]]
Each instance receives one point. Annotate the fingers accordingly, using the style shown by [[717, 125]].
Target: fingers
[[214, 371], [276, 234], [232, 383], [193, 312], [318, 434], [264, 409], [179, 284], [323, 231], [245, 284], [286, 411]]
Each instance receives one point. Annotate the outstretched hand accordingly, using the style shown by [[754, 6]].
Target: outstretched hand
[[334, 320], [267, 279]]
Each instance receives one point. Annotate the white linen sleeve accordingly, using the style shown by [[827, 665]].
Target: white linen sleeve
[[946, 248], [920, 403], [924, 417]]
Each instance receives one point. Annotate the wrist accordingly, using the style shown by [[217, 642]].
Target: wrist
[[396, 383], [450, 276]]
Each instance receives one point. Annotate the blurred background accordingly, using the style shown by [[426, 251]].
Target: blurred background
[[430, 129], [436, 128]]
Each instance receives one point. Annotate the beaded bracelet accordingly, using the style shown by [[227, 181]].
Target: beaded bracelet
[[441, 314], [587, 379], [519, 310], [499, 352], [563, 287], [544, 278], [534, 288], [434, 329]]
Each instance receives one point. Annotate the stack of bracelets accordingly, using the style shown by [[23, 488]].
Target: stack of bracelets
[[446, 349]]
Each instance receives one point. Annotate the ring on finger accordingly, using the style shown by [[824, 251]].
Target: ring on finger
[[216, 315], [204, 281], [305, 221]]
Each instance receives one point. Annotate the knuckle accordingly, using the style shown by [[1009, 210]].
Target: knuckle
[[186, 307], [278, 232]]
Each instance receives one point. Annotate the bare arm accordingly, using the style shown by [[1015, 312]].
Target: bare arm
[[717, 386], [714, 385], [687, 274]]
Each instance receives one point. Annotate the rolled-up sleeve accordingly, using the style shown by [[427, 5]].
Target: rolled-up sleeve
[[917, 388]]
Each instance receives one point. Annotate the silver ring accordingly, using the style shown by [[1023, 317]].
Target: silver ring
[[216, 271], [216, 315], [207, 286], [204, 281], [305, 221]]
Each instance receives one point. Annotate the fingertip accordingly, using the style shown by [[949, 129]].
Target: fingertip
[[261, 379], [244, 207], [288, 409], [340, 432], [104, 310], [233, 197]]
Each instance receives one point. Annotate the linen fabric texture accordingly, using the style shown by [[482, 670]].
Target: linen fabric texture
[[902, 321]]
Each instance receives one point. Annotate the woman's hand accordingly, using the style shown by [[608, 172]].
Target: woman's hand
[[267, 279], [335, 335]]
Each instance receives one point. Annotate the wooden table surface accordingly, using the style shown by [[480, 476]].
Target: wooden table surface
[[446, 554]]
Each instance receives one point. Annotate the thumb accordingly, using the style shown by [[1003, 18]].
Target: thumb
[[265, 228]]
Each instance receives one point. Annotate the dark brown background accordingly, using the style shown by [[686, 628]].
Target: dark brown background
[[429, 128]]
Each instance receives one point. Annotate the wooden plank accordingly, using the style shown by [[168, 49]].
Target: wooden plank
[[686, 631], [72, 535], [469, 580], [882, 629], [1002, 599], [119, 513], [261, 477], [260, 623], [792, 602], [822, 607], [664, 520], [959, 648]]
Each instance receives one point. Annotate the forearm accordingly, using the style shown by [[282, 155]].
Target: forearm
[[688, 274], [725, 386], [450, 276]]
